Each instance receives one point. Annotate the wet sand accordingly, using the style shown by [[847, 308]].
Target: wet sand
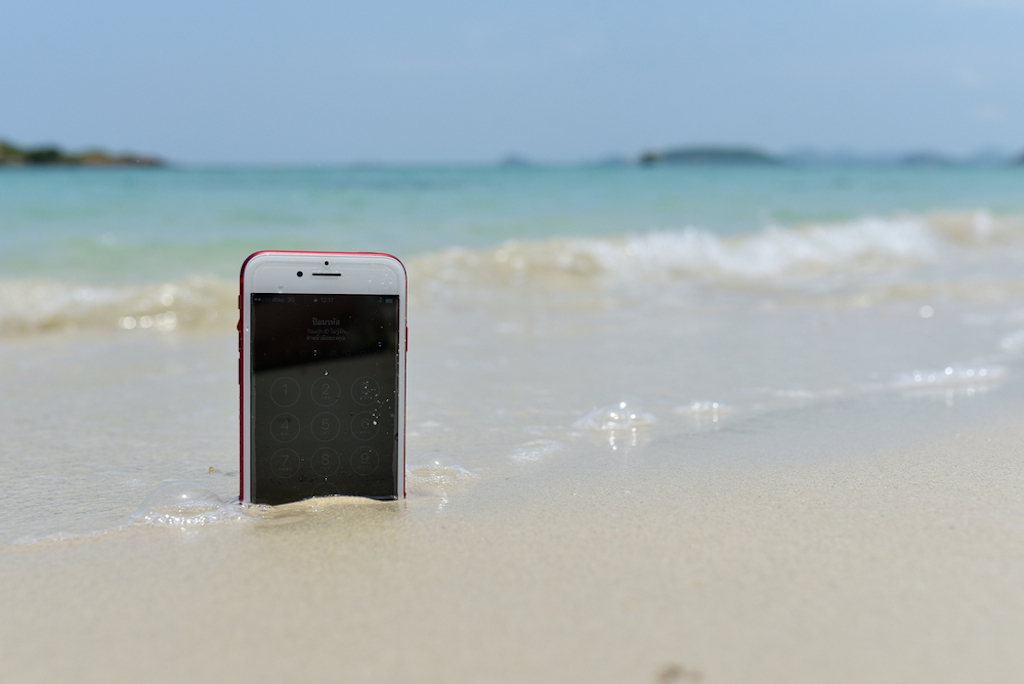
[[898, 565]]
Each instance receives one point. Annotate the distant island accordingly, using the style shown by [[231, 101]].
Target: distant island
[[707, 155], [11, 155], [711, 155]]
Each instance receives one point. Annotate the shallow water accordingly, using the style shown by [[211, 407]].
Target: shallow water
[[565, 324], [514, 385]]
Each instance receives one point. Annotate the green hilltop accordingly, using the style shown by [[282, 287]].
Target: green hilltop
[[707, 155], [12, 155]]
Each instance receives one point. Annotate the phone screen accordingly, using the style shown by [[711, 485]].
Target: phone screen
[[324, 396]]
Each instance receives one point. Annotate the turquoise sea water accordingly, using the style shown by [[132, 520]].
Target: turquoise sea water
[[102, 226], [76, 245]]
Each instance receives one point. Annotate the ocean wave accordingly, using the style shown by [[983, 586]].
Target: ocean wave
[[35, 306], [812, 259], [868, 244]]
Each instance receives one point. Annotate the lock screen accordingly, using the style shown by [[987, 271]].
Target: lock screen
[[324, 396]]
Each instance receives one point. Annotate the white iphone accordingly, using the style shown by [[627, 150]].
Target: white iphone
[[322, 343]]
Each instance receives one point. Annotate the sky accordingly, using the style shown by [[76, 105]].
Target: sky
[[415, 81]]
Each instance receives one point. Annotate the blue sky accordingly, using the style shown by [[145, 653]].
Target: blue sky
[[312, 81]]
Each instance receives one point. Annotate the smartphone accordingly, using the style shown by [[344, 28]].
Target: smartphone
[[322, 344]]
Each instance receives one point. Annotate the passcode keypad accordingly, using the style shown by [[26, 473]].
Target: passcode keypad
[[334, 440]]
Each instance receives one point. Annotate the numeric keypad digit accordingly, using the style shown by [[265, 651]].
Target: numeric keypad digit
[[326, 426], [285, 392], [325, 391], [284, 427]]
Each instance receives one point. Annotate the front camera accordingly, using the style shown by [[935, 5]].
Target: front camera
[[299, 274], [327, 263]]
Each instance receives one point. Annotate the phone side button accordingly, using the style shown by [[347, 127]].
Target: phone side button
[[406, 339]]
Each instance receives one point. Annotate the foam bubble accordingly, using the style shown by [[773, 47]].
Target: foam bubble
[[952, 375], [1013, 342], [704, 411], [536, 450], [186, 504], [436, 470], [620, 412]]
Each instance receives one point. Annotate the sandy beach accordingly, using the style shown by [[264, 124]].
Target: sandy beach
[[895, 566]]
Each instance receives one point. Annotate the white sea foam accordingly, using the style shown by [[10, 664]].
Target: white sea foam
[[536, 450], [32, 306], [186, 505], [435, 472], [771, 253], [774, 254], [776, 257]]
